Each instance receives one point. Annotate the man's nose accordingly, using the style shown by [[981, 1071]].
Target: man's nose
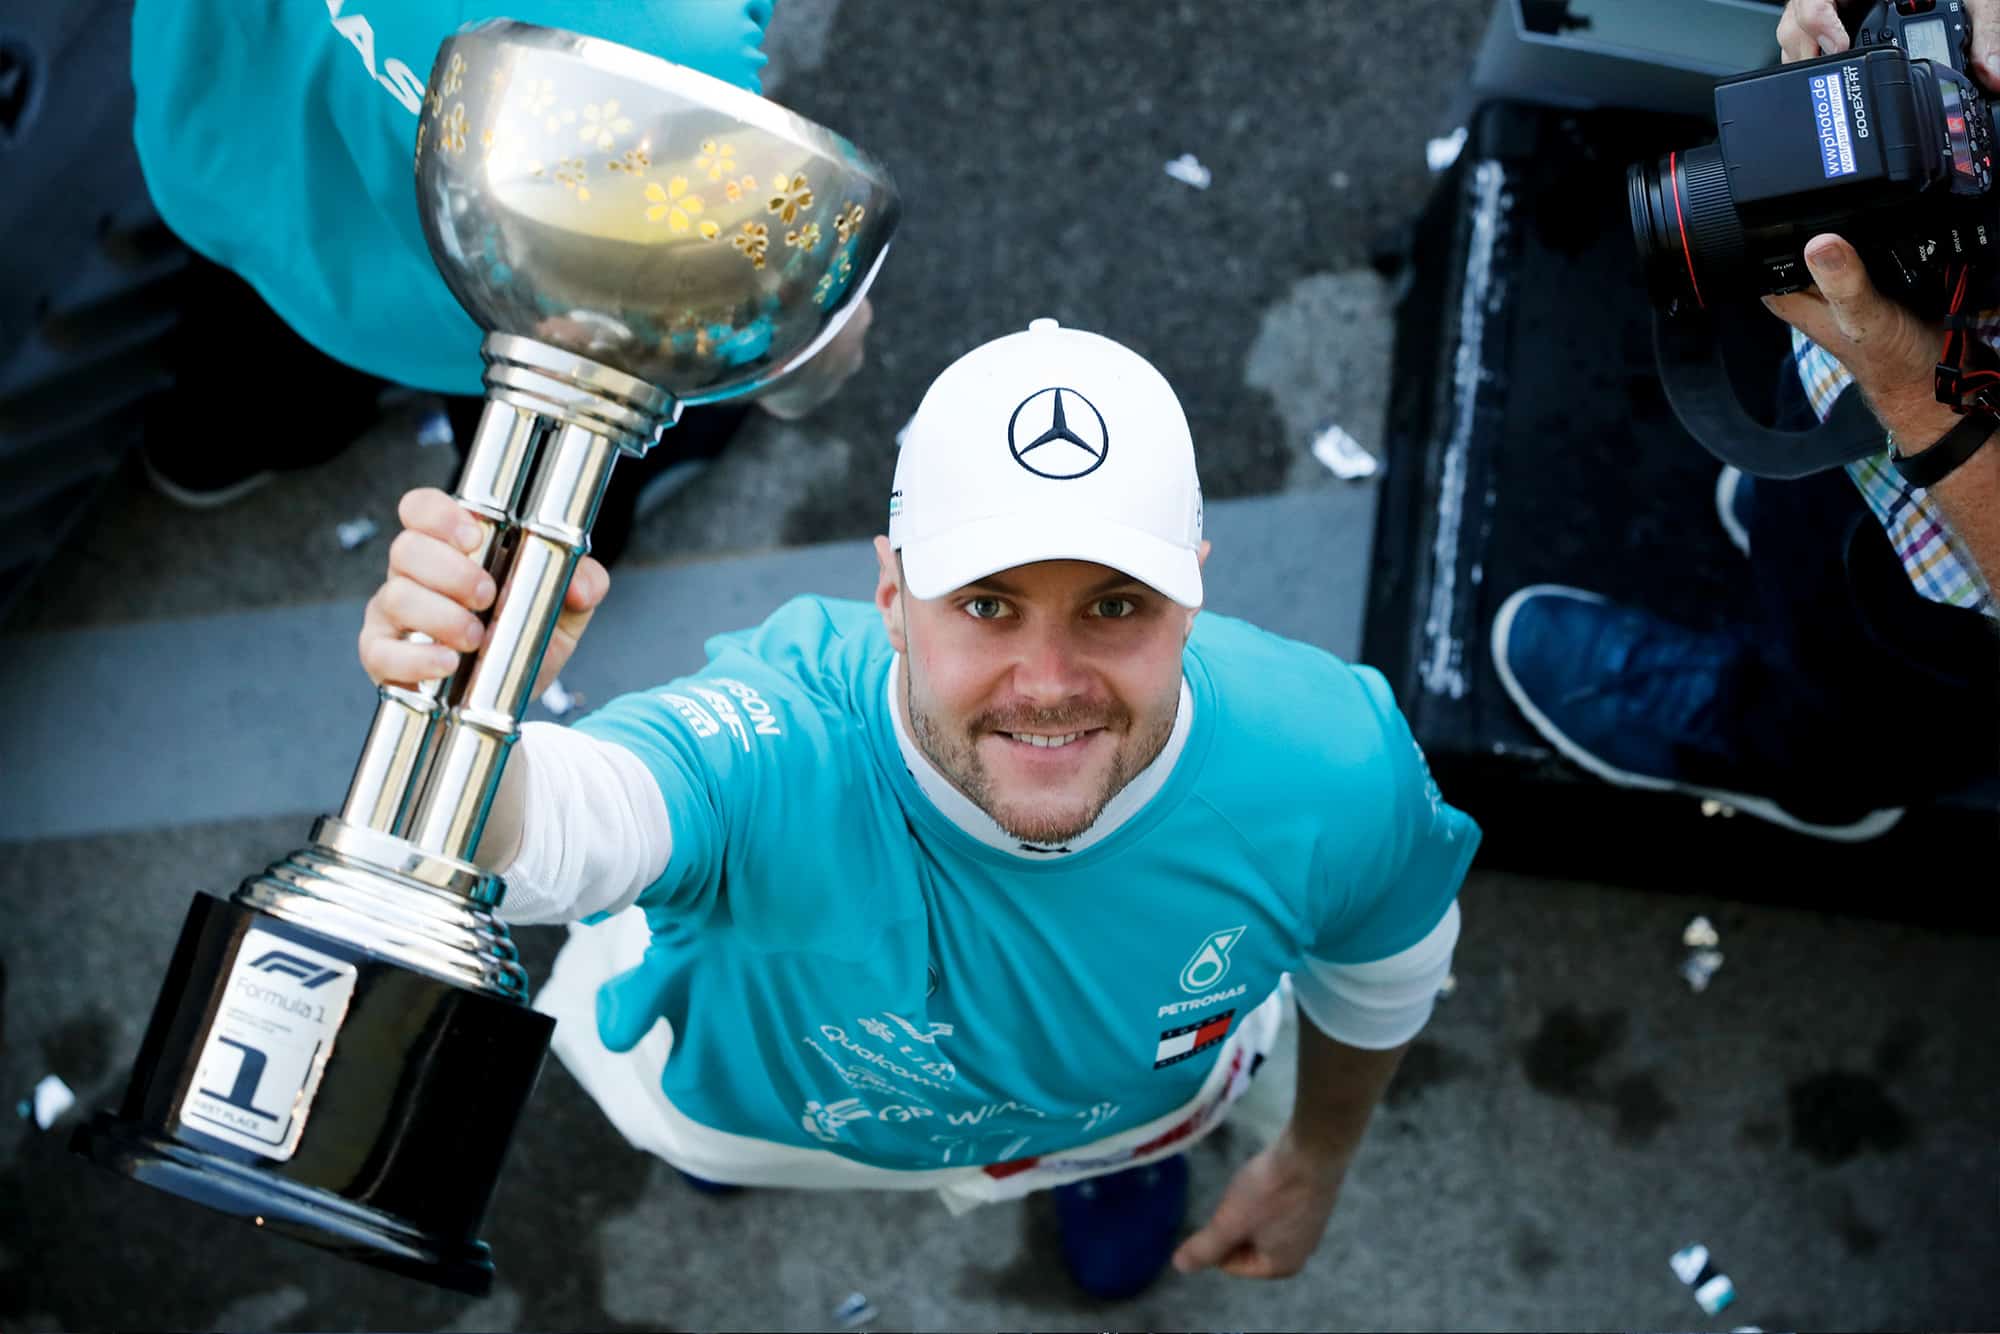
[[1051, 668]]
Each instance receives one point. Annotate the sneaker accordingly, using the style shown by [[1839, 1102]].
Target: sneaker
[[200, 479], [1732, 506], [1119, 1230], [1631, 698], [707, 1187]]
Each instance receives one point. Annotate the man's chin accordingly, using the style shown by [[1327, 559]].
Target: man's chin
[[1045, 821]]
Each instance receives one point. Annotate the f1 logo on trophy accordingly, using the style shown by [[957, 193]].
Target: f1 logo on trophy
[[341, 1050]]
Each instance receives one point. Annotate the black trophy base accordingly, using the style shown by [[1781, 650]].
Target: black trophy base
[[313, 1088], [317, 1217]]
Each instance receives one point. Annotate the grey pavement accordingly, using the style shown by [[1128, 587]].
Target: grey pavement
[[179, 699]]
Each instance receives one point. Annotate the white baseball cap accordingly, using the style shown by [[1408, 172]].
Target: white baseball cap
[[1054, 444]]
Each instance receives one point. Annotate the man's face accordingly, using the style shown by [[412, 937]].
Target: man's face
[[1040, 691]]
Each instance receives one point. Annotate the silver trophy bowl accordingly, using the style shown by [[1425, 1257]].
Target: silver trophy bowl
[[342, 1049], [634, 212]]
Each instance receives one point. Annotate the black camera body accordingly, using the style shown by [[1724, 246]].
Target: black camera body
[[1889, 144]]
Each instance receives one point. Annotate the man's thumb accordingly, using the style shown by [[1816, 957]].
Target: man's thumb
[[1201, 1250], [1838, 273]]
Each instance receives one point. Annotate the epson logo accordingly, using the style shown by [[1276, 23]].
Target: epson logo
[[1851, 75]]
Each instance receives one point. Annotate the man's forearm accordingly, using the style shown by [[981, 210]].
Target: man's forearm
[[500, 841], [1970, 494], [1338, 1089], [1970, 499]]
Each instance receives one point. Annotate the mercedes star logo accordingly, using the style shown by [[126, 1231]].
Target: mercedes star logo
[[1050, 437]]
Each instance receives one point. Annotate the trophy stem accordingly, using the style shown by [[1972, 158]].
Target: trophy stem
[[398, 743], [554, 532]]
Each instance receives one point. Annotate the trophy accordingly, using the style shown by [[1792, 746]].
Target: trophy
[[341, 1050]]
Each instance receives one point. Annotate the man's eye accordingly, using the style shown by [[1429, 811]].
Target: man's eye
[[985, 609], [1113, 609]]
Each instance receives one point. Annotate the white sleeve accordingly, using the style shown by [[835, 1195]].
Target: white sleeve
[[1383, 1003], [594, 828]]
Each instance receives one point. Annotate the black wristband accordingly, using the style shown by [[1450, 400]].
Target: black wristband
[[1957, 445]]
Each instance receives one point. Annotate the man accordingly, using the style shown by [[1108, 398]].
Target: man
[[991, 886], [313, 112], [1867, 674]]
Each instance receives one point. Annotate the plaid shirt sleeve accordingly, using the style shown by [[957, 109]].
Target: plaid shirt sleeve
[[1938, 567]]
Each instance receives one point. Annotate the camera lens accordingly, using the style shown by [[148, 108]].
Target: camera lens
[[1685, 225]]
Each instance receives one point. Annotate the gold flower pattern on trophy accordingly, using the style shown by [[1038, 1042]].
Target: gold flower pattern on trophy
[[753, 240], [672, 202], [717, 159], [673, 205], [451, 130], [793, 197], [602, 124]]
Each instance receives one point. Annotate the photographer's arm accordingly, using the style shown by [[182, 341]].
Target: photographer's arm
[[1891, 354], [1969, 495]]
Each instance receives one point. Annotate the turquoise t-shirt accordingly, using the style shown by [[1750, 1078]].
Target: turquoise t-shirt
[[846, 969], [276, 137]]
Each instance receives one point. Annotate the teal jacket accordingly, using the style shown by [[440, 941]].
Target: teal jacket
[[276, 138]]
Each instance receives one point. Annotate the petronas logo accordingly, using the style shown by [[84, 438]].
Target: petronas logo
[[1210, 963]]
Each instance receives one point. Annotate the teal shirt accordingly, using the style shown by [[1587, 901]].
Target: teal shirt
[[276, 137], [846, 969]]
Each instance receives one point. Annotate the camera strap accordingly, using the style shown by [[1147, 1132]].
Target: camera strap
[[1968, 369], [1698, 386]]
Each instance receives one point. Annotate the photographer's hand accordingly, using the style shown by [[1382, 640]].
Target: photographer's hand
[[1888, 350], [1892, 356], [1811, 28]]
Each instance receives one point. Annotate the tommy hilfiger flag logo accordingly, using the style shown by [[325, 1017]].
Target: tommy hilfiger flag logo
[[1177, 1044]]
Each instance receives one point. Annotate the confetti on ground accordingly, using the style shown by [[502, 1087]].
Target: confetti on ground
[[854, 1311], [1343, 454], [433, 430], [1700, 967], [51, 1099], [1700, 935], [1692, 1266], [354, 532], [559, 701], [1441, 153], [1187, 169]]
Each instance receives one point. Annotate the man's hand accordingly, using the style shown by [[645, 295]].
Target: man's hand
[[1890, 353], [436, 589], [1271, 1217], [1811, 28]]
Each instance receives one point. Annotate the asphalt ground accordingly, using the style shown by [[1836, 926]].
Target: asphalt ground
[[1821, 1116]]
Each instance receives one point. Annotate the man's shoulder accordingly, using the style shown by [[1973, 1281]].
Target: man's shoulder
[[808, 670], [813, 640], [1291, 708]]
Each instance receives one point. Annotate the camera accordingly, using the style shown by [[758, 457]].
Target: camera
[[1889, 144]]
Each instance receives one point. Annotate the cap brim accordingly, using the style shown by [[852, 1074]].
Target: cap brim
[[933, 567]]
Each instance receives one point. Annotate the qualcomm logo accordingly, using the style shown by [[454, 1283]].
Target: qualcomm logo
[[309, 974], [1210, 963]]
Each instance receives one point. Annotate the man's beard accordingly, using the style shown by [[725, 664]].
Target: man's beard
[[957, 758]]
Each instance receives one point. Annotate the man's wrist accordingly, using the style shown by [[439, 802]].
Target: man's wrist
[[1329, 1153], [1915, 428]]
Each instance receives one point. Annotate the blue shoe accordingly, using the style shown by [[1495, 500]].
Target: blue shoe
[[1633, 699], [1733, 493], [707, 1187], [1119, 1230]]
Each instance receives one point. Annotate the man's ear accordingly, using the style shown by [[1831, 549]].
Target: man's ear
[[889, 594]]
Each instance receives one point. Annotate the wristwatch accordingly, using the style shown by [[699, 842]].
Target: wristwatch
[[1957, 445]]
